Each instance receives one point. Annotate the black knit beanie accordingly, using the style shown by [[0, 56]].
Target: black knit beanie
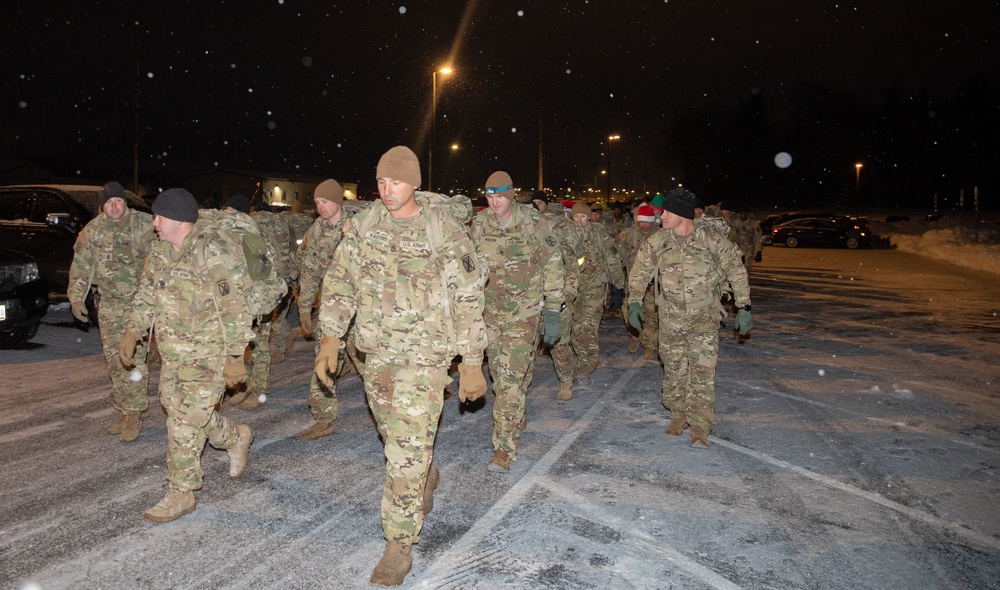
[[680, 202], [112, 190], [177, 204], [240, 203]]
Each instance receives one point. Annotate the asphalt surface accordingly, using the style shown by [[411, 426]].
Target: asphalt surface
[[856, 446]]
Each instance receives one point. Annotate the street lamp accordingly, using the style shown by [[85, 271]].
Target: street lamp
[[430, 146], [610, 139], [857, 182]]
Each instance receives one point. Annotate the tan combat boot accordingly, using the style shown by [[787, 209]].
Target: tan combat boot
[[239, 451], [394, 565], [252, 403], [117, 425], [433, 476], [633, 345], [678, 423], [239, 396], [565, 391], [174, 505], [649, 354], [131, 427], [317, 430], [699, 438], [500, 461]]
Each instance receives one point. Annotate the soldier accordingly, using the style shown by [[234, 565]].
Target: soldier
[[109, 254], [315, 256], [524, 285], [689, 264], [408, 273], [745, 233], [192, 292], [278, 229], [601, 266], [570, 236], [283, 335], [629, 241]]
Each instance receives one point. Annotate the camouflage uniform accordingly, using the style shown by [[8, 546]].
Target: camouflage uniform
[[629, 241], [417, 305], [109, 254], [601, 266], [282, 330], [746, 234], [198, 321], [276, 231], [570, 236], [526, 273], [315, 256], [689, 273]]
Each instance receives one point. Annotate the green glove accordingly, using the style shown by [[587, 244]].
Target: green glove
[[744, 321], [636, 315], [550, 327]]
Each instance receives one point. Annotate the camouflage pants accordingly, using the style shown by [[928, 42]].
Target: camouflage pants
[[562, 355], [323, 399], [127, 394], [689, 349], [650, 326], [280, 328], [258, 381], [513, 343], [406, 402], [190, 392], [587, 312]]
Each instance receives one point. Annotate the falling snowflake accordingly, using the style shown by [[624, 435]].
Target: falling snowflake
[[402, 10], [782, 160]]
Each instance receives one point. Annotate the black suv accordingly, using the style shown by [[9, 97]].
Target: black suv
[[43, 220], [23, 298]]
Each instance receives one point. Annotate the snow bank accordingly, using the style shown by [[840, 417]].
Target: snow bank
[[945, 239]]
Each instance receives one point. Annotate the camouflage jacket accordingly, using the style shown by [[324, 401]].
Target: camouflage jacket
[[690, 272], [276, 229], [299, 224], [524, 261], [570, 236], [746, 234], [315, 255], [194, 316], [629, 241], [412, 302], [110, 253], [601, 263]]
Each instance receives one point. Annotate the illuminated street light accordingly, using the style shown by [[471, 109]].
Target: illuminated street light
[[430, 147], [610, 139], [857, 181]]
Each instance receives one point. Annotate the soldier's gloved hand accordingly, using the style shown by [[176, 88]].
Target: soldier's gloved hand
[[617, 297], [235, 371], [471, 383], [550, 327], [744, 321], [306, 320], [80, 312], [636, 315], [126, 348], [326, 359]]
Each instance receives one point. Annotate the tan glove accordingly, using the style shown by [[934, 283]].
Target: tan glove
[[126, 348], [306, 320], [326, 359], [235, 371], [80, 312], [471, 383]]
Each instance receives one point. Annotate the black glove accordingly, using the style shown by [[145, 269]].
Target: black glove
[[759, 256], [617, 297]]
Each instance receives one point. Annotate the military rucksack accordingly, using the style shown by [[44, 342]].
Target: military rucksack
[[276, 229], [265, 287]]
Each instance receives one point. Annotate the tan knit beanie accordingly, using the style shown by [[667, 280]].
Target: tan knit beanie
[[399, 163], [330, 190], [581, 208], [500, 184]]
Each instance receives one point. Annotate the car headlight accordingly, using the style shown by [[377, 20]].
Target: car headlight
[[31, 272]]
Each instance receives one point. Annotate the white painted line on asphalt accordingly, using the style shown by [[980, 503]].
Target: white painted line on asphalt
[[828, 481], [642, 539], [945, 434], [29, 432], [457, 562]]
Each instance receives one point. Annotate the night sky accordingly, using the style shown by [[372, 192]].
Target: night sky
[[323, 87]]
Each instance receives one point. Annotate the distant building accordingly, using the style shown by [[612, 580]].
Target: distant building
[[281, 190], [24, 172]]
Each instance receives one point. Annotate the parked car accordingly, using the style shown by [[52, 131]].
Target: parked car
[[840, 231], [23, 298], [44, 220], [772, 220]]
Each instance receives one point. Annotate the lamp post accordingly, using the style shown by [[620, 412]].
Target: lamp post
[[430, 145], [610, 139], [857, 182]]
